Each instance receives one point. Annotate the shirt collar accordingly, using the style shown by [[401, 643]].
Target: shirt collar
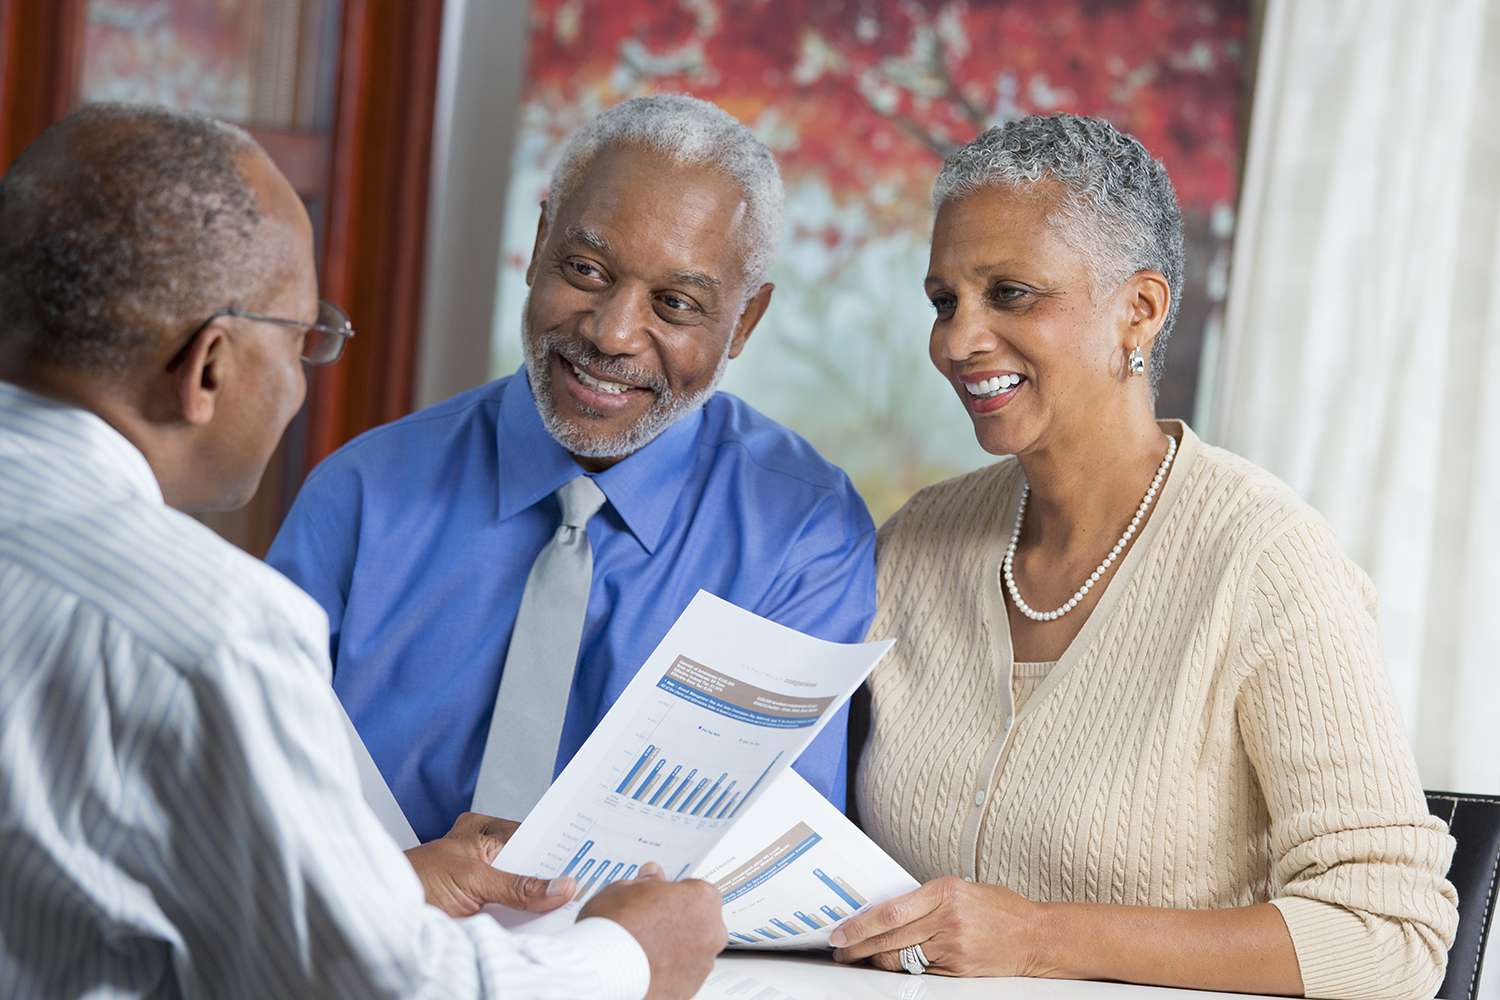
[[42, 425], [642, 487]]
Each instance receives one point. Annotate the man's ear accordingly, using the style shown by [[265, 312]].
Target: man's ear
[[536, 248], [200, 375], [753, 311]]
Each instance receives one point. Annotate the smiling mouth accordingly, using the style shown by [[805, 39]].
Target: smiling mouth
[[992, 387], [602, 386]]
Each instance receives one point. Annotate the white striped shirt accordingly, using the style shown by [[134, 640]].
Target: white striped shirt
[[179, 808]]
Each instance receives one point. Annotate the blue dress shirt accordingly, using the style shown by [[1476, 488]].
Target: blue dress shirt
[[417, 539]]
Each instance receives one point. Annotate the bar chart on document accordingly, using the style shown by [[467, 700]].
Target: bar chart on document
[[698, 770], [698, 749], [721, 708], [681, 790], [796, 869], [593, 871], [826, 897]]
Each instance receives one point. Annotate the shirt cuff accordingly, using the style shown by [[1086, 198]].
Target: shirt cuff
[[620, 957], [1336, 957]]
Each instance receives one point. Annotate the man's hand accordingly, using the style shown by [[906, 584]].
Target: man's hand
[[457, 877], [680, 926]]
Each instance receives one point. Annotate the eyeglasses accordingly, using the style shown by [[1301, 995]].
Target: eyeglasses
[[326, 335]]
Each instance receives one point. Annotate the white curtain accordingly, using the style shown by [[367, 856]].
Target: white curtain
[[1361, 360], [1361, 354]]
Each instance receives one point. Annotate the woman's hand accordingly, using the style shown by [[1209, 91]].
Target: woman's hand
[[987, 930], [964, 930]]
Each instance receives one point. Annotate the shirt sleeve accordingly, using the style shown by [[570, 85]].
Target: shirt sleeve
[[1358, 862], [317, 542], [285, 884], [826, 588]]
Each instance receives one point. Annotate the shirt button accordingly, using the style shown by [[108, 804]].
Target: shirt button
[[979, 798]]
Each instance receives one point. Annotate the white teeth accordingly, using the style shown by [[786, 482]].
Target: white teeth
[[992, 386], [598, 385]]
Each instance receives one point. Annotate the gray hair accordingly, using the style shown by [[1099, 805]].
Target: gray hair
[[1119, 209], [690, 132], [122, 224]]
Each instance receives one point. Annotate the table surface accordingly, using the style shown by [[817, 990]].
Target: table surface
[[744, 975]]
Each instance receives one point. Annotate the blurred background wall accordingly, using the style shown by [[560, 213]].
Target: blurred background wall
[[1335, 161], [860, 101]]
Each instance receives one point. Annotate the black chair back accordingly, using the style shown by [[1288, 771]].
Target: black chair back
[[1474, 821]]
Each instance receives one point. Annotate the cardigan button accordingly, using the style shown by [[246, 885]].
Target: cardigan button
[[979, 798]]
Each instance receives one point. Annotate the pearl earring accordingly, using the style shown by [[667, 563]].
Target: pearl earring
[[1137, 362]]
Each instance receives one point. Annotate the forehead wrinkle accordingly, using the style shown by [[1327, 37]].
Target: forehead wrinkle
[[1021, 270], [985, 269]]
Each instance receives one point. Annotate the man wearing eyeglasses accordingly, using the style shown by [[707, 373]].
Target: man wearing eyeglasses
[[496, 568], [180, 812]]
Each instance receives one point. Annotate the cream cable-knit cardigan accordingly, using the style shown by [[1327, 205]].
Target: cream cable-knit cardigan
[[1221, 732]]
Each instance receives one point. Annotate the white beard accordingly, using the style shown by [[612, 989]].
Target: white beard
[[665, 410]]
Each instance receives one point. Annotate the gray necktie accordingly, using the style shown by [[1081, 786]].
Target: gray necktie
[[521, 750]]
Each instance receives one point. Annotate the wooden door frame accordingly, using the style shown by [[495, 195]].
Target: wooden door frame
[[40, 46], [379, 165], [377, 223]]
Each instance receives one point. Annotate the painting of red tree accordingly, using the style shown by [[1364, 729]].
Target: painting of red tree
[[860, 100]]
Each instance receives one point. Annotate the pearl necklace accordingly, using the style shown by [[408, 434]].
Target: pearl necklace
[[1008, 566]]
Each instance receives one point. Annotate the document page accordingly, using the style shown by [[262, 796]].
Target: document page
[[377, 794], [719, 710], [794, 868]]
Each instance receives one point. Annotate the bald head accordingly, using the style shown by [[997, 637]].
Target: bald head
[[123, 227]]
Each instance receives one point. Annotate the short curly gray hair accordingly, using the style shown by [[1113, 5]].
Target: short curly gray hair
[[691, 132], [123, 223], [1119, 209]]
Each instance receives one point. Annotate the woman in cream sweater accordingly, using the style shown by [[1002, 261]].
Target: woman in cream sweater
[[1136, 725]]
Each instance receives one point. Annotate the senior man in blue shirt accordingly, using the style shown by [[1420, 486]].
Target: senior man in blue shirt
[[497, 567]]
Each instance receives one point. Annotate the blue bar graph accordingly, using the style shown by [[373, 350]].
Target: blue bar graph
[[614, 873], [713, 810], [776, 928], [594, 874], [803, 921], [653, 779], [676, 769], [692, 795], [841, 888], [709, 794], [812, 922], [650, 778], [630, 776], [588, 845], [584, 888], [683, 784]]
